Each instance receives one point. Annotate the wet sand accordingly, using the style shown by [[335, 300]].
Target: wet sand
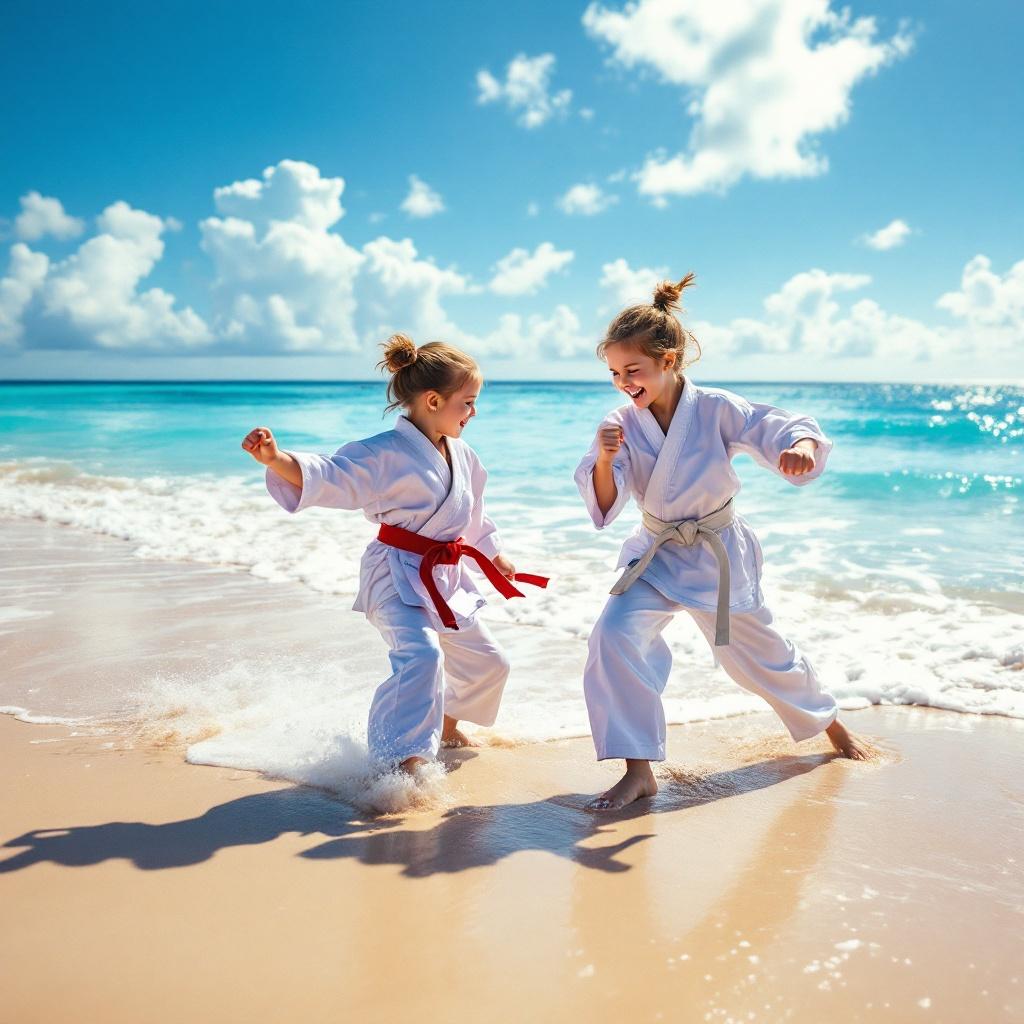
[[765, 882]]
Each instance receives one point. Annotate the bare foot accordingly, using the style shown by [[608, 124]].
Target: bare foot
[[453, 736], [636, 784], [846, 743], [411, 765]]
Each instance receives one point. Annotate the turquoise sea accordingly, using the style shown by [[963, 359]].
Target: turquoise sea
[[900, 571], [923, 477]]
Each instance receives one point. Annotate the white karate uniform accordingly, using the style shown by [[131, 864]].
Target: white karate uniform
[[688, 474], [400, 478]]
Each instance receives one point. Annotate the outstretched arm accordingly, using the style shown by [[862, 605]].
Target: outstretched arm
[[296, 480], [794, 447], [262, 446]]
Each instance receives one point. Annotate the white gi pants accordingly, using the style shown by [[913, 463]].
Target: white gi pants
[[434, 673], [629, 664]]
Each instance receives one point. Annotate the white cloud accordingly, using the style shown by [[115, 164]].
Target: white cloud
[[802, 316], [526, 90], [587, 200], [291, 191], [519, 337], [808, 315], [92, 298], [765, 77], [895, 233], [422, 200], [627, 286], [401, 292], [44, 215], [25, 274], [523, 273], [283, 279], [532, 209], [990, 307]]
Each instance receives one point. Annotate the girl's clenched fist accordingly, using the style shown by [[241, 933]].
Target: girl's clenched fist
[[260, 444], [609, 440]]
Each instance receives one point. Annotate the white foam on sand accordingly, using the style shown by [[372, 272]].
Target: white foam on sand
[[288, 720], [888, 634]]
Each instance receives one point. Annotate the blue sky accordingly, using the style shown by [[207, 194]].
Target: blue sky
[[692, 136]]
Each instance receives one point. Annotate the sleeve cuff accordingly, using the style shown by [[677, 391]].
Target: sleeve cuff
[[291, 498]]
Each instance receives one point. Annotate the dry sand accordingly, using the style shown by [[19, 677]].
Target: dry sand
[[765, 882]]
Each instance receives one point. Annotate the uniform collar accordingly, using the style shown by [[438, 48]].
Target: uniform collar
[[407, 429]]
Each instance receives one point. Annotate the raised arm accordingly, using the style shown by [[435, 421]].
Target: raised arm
[[298, 480], [793, 447], [609, 441], [603, 475]]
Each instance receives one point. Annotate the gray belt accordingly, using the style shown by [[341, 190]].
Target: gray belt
[[688, 532]]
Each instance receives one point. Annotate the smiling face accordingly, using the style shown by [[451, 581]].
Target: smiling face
[[450, 415], [642, 378]]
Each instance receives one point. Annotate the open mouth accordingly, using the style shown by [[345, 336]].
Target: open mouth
[[462, 424], [635, 393]]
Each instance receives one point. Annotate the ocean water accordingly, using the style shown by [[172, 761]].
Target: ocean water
[[900, 571]]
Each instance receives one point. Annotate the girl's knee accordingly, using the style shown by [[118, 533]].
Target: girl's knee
[[502, 666], [610, 628], [421, 651]]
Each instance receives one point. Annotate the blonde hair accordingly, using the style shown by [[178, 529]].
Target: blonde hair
[[654, 328], [431, 367]]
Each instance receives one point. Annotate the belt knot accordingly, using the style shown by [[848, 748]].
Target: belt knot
[[688, 532], [448, 553]]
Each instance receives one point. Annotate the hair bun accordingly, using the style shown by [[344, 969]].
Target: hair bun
[[666, 295], [399, 352]]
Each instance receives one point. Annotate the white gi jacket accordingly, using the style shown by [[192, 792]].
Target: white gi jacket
[[400, 478], [688, 474]]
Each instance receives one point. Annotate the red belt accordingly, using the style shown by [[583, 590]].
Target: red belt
[[439, 552]]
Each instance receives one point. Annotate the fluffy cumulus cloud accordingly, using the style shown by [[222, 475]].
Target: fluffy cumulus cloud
[[399, 291], [894, 234], [586, 199], [626, 285], [764, 78], [815, 313], [522, 272], [559, 335], [283, 279], [988, 307], [526, 90], [422, 200], [26, 273], [44, 215], [93, 297]]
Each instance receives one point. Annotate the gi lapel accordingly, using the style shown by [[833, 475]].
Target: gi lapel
[[422, 446], [450, 515], [655, 496]]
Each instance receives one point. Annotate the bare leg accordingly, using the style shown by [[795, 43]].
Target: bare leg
[[411, 765], [846, 743], [636, 784], [453, 736]]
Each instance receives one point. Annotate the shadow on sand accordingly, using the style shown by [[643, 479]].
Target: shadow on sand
[[464, 837]]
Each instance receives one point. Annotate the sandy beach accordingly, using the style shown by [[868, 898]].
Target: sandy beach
[[765, 882]]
